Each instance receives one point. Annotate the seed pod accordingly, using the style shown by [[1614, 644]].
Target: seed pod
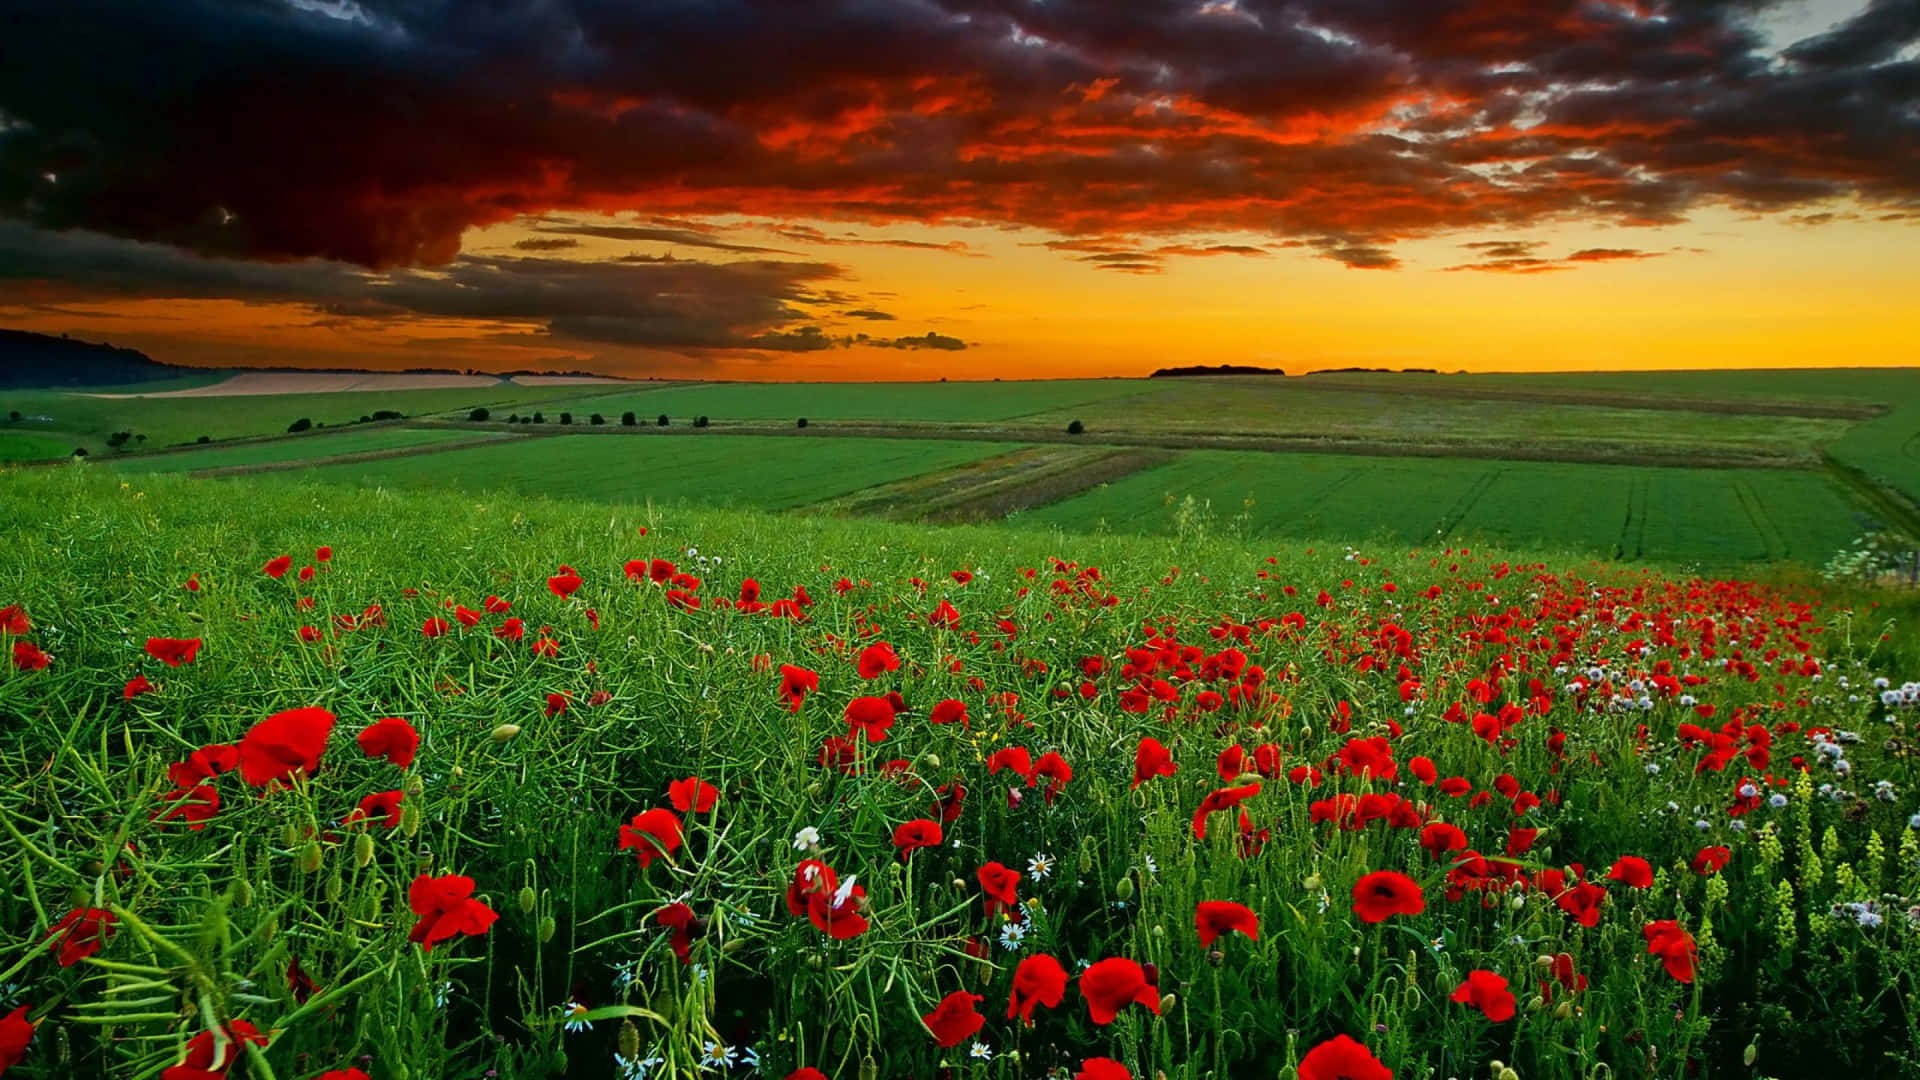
[[414, 786], [242, 893], [1086, 860], [1750, 1054], [1123, 888], [547, 929], [312, 858], [868, 1070], [527, 901], [289, 836], [1167, 1002], [363, 849], [410, 818], [334, 886], [933, 761], [629, 1040], [1509, 1074], [505, 732], [1564, 1011]]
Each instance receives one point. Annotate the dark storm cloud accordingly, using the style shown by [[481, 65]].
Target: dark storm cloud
[[654, 234], [270, 132]]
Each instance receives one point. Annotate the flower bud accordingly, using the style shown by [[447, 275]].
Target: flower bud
[[1750, 1054], [505, 732], [527, 901], [311, 857], [363, 849], [547, 929], [629, 1040], [1167, 1002]]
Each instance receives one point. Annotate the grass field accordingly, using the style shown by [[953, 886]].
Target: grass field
[[306, 447], [17, 446], [1709, 516], [768, 472], [958, 402], [1226, 851]]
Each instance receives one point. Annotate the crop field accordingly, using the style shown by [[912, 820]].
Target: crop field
[[297, 449], [959, 402], [1710, 516], [436, 785], [20, 447], [766, 472]]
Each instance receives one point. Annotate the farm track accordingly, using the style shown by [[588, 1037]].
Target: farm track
[[1299, 444], [1893, 507], [994, 487]]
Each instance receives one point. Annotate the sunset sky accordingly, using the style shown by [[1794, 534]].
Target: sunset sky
[[966, 188]]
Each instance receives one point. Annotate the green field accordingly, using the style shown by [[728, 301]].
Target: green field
[[19, 446], [765, 472], [296, 448], [958, 402], [1709, 516]]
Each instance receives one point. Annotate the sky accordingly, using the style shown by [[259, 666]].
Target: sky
[[918, 189]]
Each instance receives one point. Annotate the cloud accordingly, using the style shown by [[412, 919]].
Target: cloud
[[654, 234], [1343, 127], [1522, 257], [868, 313], [807, 234], [546, 243], [929, 340]]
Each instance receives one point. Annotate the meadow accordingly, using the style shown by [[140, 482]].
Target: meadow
[[430, 784], [301, 448]]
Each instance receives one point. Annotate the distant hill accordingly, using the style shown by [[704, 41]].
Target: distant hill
[[32, 360], [1217, 369], [1376, 371]]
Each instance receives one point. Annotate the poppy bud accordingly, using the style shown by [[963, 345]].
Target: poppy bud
[[242, 893], [414, 785], [1313, 883], [410, 818], [814, 961], [1086, 861], [1159, 931], [311, 857], [528, 899], [1519, 901], [1750, 1054], [1123, 888], [505, 732], [363, 849], [459, 772], [269, 928], [933, 761], [289, 836], [1167, 1002], [1564, 1011], [1543, 962], [1150, 972], [547, 928], [334, 885], [868, 1070], [1509, 1074], [1537, 1003], [629, 1040]]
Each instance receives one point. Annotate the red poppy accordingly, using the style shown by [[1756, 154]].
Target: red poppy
[[870, 716], [918, 833], [837, 912], [1632, 871], [497, 606], [1340, 1058], [14, 621], [681, 918], [1102, 1069], [209, 1058], [446, 907], [323, 553], [1011, 757], [1673, 945], [173, 651], [954, 1020], [135, 687], [950, 711], [1487, 992], [1385, 893], [692, 794], [195, 805], [433, 627], [876, 660], [808, 1073], [796, 683], [1055, 770], [1217, 800], [16, 1031], [565, 583], [284, 743], [391, 738], [204, 764], [1211, 918], [1000, 883], [343, 1074], [1150, 759], [1039, 980], [545, 647], [1582, 901], [512, 629], [1710, 860], [651, 834], [1439, 838], [381, 806], [944, 615], [278, 566], [29, 657], [81, 932], [1112, 985]]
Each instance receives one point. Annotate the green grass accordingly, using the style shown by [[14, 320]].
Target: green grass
[[1707, 516], [1830, 385], [766, 472], [293, 448], [957, 402], [20, 446]]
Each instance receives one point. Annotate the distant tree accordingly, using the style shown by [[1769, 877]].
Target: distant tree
[[364, 419], [627, 419], [513, 418], [13, 414], [662, 422], [139, 438], [596, 420], [699, 421], [802, 423], [79, 451], [480, 415], [539, 417], [204, 439], [1076, 428], [119, 439], [388, 414], [302, 424], [566, 418]]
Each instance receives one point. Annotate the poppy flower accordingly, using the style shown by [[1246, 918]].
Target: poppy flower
[[173, 651], [1150, 759], [950, 711], [381, 806], [1710, 860], [1217, 800], [135, 687], [1385, 893], [954, 1020], [692, 794], [837, 913], [870, 716], [1340, 1058], [565, 583], [1001, 884], [796, 683], [29, 657], [16, 1031], [1582, 901], [81, 932], [391, 738], [496, 606], [195, 805], [1487, 992], [512, 629], [681, 919], [1632, 871], [446, 907], [651, 834], [343, 1074], [808, 1073], [204, 764], [323, 553], [1102, 1069], [209, 1058], [278, 566], [1439, 838], [284, 743], [1112, 985], [434, 627], [14, 621], [1039, 980], [1056, 772], [1673, 945], [1011, 757], [1211, 918], [918, 833], [876, 660], [944, 615]]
